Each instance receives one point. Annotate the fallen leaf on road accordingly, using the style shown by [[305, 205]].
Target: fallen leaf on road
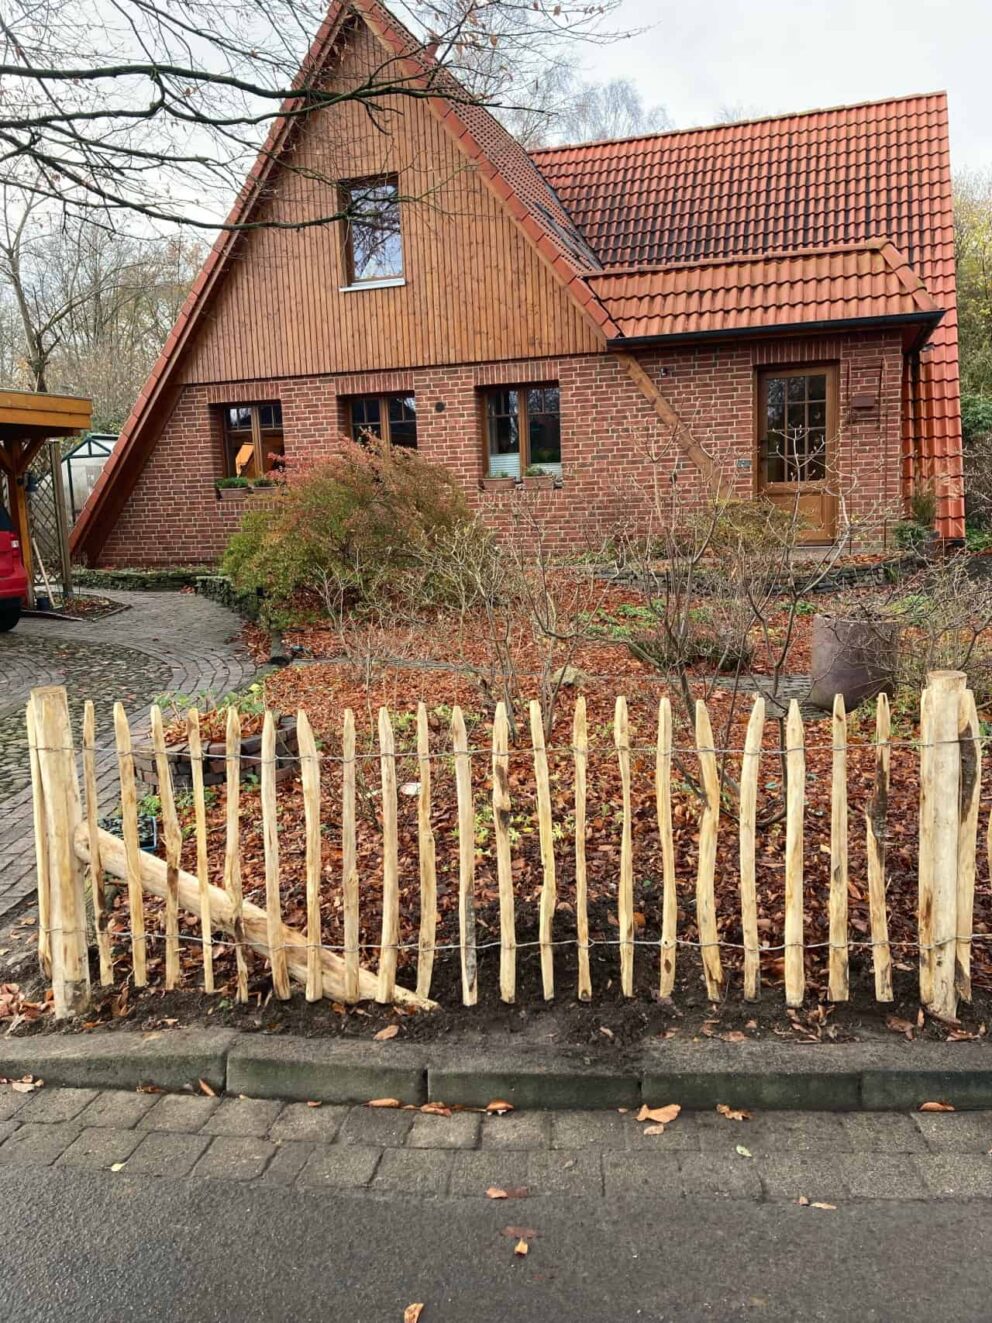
[[117, 1166], [313, 1102], [27, 1085], [494, 1192], [521, 1248], [383, 1036], [520, 1233], [802, 1201], [653, 1130], [832, 1208], [744, 1152], [383, 1102], [663, 1115], [511, 1192], [498, 1107], [205, 1088], [412, 1313], [734, 1036], [435, 1109], [924, 1107], [607, 1033], [899, 1026], [733, 1113]]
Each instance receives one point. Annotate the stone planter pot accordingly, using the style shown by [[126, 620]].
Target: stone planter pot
[[498, 484], [214, 762], [232, 493], [855, 658]]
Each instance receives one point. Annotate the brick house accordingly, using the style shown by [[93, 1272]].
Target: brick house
[[758, 308]]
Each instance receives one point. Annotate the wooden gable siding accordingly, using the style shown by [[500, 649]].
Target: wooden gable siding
[[475, 288]]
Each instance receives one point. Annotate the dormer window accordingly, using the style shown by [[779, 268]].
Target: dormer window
[[373, 244]]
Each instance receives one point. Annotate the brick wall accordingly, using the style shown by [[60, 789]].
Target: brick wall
[[613, 445]]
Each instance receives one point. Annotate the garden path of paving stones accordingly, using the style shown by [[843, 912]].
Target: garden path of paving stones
[[174, 641], [822, 1157]]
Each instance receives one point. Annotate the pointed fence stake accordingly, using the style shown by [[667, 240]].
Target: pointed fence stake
[[427, 859], [748, 817], [173, 848], [945, 689], [838, 985], [504, 860], [709, 827], [310, 778], [390, 863], [625, 888], [875, 822], [349, 857], [41, 848], [466, 858], [580, 745], [549, 887], [63, 818], [232, 847], [270, 838], [663, 807], [795, 808], [132, 847], [971, 797], [200, 827]]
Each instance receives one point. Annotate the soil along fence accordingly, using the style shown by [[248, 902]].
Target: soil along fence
[[75, 855]]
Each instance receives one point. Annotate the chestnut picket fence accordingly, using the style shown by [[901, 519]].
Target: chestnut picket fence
[[75, 855]]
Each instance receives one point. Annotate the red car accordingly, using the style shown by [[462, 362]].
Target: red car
[[13, 579]]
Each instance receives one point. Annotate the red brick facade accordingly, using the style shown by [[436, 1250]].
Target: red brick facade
[[612, 440]]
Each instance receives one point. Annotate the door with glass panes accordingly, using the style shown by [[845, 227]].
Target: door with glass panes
[[797, 439]]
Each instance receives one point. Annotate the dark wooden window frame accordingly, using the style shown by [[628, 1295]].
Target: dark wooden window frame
[[832, 415], [523, 418], [385, 423], [345, 189], [254, 434]]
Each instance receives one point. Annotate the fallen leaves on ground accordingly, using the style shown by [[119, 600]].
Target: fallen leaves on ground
[[27, 1084], [653, 1130], [733, 1113], [936, 1107], [412, 1313], [384, 1102], [521, 1248], [803, 1202], [511, 1192], [205, 1088], [659, 1115], [390, 1031], [435, 1109], [744, 1152], [498, 1107]]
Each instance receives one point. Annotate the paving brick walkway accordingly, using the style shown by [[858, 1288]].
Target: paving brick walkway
[[162, 641], [823, 1157]]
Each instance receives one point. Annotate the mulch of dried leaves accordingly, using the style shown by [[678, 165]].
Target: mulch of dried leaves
[[326, 689]]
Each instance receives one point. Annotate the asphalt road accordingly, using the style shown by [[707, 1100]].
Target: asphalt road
[[92, 1245]]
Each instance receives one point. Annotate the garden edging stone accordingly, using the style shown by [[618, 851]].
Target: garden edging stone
[[870, 1075]]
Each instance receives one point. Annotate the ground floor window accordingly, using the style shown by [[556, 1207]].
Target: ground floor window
[[391, 418], [253, 439], [522, 430]]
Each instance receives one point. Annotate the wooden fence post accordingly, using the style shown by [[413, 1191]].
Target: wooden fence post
[[838, 986], [795, 761], [200, 827], [971, 794], [504, 859], [663, 809], [389, 940], [97, 891], [427, 859], [63, 816], [41, 848], [875, 820], [709, 829], [940, 839], [580, 747], [748, 814], [625, 889], [310, 777], [173, 837], [466, 858], [545, 827], [132, 845], [270, 838]]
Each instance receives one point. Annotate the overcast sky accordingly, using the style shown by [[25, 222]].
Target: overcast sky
[[780, 55]]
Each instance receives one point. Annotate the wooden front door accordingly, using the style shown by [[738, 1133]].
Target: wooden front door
[[797, 432]]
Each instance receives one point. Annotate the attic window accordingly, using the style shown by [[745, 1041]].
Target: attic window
[[373, 244]]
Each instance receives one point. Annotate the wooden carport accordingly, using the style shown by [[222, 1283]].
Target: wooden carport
[[27, 422]]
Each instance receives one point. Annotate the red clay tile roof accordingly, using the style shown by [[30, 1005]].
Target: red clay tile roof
[[818, 179], [856, 283]]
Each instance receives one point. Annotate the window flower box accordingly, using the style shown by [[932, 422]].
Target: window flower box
[[539, 482], [498, 484]]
